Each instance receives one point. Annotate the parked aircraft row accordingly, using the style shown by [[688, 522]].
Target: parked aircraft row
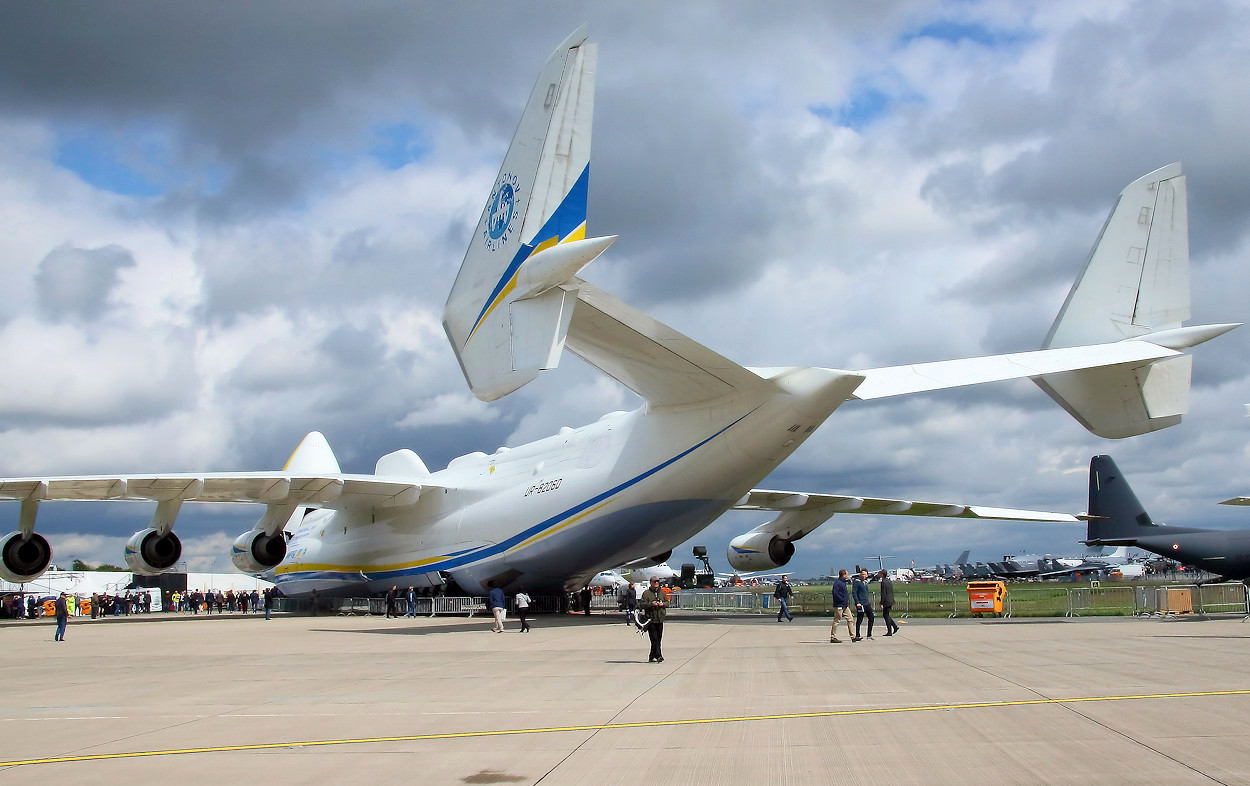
[[551, 514], [1095, 560]]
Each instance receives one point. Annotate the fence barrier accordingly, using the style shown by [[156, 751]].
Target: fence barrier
[[1040, 600]]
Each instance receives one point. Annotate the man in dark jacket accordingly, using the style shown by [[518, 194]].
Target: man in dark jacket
[[62, 617], [391, 594], [783, 593], [841, 608], [887, 603], [629, 603], [655, 603], [863, 603]]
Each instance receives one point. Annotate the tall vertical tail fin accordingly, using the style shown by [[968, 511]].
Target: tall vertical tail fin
[[506, 316], [1114, 510], [1135, 282]]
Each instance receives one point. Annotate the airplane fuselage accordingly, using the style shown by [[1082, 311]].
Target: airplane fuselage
[[550, 514], [1222, 552]]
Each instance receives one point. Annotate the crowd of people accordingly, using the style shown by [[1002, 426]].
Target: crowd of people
[[102, 604]]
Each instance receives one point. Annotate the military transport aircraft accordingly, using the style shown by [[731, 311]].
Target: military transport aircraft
[[1117, 518], [550, 514]]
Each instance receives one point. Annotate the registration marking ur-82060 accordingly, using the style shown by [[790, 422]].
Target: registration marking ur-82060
[[548, 485]]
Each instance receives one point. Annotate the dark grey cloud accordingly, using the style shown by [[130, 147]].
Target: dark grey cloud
[[75, 283]]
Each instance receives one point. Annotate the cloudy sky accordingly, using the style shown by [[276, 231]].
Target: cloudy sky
[[225, 226]]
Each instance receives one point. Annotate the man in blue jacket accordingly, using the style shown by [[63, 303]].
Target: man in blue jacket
[[863, 603], [497, 604], [841, 608]]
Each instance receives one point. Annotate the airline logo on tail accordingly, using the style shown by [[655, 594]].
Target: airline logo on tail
[[501, 209], [566, 224]]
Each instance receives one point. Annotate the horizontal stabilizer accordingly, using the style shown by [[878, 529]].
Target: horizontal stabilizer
[[918, 377], [658, 363]]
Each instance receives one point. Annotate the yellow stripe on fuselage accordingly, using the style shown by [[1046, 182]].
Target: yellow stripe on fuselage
[[302, 568], [554, 530]]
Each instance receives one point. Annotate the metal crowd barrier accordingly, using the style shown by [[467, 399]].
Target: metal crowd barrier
[[1198, 599], [932, 602], [1023, 600], [457, 605], [1094, 601], [727, 602], [423, 606]]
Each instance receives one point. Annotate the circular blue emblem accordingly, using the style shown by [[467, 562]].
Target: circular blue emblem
[[500, 211]]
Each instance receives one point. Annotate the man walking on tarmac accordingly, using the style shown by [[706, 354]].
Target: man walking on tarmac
[[497, 604], [655, 603], [783, 593], [841, 608], [863, 603]]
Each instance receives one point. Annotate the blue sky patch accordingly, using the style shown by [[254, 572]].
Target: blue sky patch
[[396, 145], [865, 105], [958, 32], [112, 162]]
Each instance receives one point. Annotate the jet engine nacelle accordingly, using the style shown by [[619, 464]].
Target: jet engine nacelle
[[149, 553], [256, 552], [24, 557], [760, 551]]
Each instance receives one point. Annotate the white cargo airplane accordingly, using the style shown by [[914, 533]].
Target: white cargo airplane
[[642, 575], [550, 514], [608, 580]]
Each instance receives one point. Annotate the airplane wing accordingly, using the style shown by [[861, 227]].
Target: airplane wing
[[803, 512], [337, 491], [761, 499], [1237, 501]]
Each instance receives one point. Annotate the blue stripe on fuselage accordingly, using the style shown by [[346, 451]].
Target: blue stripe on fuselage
[[485, 552]]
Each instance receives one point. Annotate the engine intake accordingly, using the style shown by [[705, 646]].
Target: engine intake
[[256, 552], [24, 557], [149, 553], [762, 551]]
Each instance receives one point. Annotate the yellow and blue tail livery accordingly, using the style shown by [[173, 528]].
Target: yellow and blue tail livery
[[507, 315]]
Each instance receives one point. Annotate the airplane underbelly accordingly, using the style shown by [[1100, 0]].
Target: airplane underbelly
[[614, 537]]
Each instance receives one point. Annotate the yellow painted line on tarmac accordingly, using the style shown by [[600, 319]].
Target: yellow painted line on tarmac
[[610, 726]]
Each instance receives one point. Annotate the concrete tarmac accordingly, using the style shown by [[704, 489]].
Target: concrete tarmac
[[738, 700]]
